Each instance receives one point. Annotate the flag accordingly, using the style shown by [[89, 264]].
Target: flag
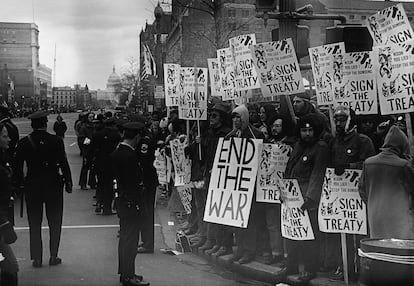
[[149, 62]]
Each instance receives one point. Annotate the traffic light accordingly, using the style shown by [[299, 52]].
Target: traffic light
[[266, 5], [356, 37]]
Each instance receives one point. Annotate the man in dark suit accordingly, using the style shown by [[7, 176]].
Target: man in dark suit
[[45, 157], [128, 173]]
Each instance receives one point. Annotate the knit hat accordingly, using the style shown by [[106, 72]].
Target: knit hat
[[303, 95], [310, 120]]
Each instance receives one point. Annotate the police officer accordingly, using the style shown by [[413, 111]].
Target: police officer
[[45, 157], [128, 173]]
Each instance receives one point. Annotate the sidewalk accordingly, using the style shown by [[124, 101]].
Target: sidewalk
[[254, 270]]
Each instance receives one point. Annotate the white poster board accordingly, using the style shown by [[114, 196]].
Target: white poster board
[[341, 209], [245, 73], [185, 193], [182, 164], [277, 68], [171, 82], [325, 73], [295, 222], [160, 164], [272, 165], [233, 179], [395, 79], [193, 100], [214, 72], [358, 88], [390, 26]]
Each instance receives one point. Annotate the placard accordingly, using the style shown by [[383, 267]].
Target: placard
[[159, 92], [160, 164], [390, 26], [295, 222], [272, 165], [226, 68], [278, 68], [358, 88], [185, 193], [193, 99], [182, 164], [395, 78], [325, 73], [171, 82], [233, 179], [214, 72], [341, 209], [245, 72]]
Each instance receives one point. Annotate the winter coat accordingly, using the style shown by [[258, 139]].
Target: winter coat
[[60, 128], [387, 187]]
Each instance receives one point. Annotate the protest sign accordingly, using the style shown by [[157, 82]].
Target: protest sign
[[160, 164], [171, 81], [214, 71], [182, 165], [232, 182], [295, 222], [358, 89], [226, 69], [272, 165], [341, 209], [245, 73], [393, 66], [325, 72], [277, 67], [193, 99], [185, 195], [390, 26], [159, 92]]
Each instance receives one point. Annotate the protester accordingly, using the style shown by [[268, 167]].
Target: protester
[[387, 187], [86, 132], [8, 266], [60, 126], [281, 130], [5, 118], [131, 207], [307, 164], [267, 113], [45, 156]]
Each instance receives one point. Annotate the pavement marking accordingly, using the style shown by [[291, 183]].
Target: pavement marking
[[73, 144], [80, 226], [66, 136]]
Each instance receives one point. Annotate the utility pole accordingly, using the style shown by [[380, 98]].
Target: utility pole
[[54, 69]]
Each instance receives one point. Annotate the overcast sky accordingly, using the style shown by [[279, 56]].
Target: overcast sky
[[91, 35]]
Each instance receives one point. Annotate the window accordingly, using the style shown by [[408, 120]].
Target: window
[[231, 13], [245, 13], [351, 17], [363, 17], [232, 26]]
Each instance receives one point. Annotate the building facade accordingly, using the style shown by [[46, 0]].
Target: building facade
[[64, 96]]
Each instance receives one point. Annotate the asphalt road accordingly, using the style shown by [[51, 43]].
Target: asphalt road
[[89, 242]]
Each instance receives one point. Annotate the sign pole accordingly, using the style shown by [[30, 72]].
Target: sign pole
[[409, 126]]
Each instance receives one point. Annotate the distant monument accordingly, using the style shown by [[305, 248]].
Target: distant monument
[[112, 92]]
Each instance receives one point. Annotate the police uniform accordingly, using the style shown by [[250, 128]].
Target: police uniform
[[45, 157], [128, 174]]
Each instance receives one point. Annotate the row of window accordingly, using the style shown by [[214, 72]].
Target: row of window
[[244, 13]]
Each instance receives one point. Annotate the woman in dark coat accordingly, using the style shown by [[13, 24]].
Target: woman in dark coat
[[60, 126]]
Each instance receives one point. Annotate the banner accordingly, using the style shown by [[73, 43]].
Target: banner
[[278, 68], [245, 72], [182, 165], [233, 179], [325, 73], [341, 209], [272, 165], [150, 67], [358, 88], [160, 164], [193, 99], [395, 78], [390, 26], [295, 222], [171, 81], [214, 71], [185, 194]]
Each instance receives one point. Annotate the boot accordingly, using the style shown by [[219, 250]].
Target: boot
[[224, 251], [207, 245], [213, 250], [200, 242]]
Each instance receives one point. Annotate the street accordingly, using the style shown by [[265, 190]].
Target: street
[[89, 242]]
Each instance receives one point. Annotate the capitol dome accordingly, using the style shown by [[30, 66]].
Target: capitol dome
[[114, 80]]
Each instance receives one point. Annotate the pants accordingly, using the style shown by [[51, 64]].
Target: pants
[[105, 191], [272, 215], [147, 228], [8, 266], [246, 237], [54, 214], [200, 196], [129, 221], [85, 170], [224, 236]]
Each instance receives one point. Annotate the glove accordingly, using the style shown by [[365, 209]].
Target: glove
[[68, 188], [307, 204], [8, 235], [340, 169]]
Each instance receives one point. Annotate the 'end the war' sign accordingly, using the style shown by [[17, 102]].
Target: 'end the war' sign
[[390, 26], [277, 67], [232, 183], [193, 99], [171, 82], [394, 68], [341, 209], [295, 222], [325, 73], [358, 88], [272, 165]]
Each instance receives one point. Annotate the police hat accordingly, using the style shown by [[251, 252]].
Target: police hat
[[40, 115], [133, 126]]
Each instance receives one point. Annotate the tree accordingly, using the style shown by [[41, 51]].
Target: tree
[[129, 80]]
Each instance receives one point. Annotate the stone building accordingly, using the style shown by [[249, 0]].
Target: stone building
[[111, 94]]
